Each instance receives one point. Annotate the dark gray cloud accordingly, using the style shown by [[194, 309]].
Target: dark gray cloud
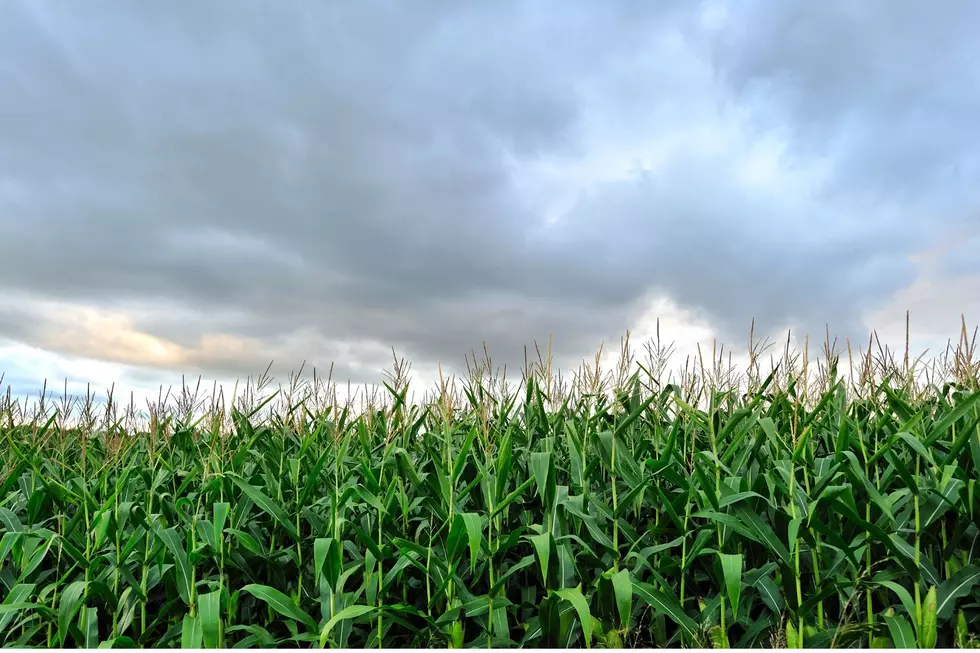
[[431, 175], [884, 91]]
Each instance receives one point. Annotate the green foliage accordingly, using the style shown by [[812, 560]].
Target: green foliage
[[647, 516]]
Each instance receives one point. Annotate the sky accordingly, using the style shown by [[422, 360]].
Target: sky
[[200, 188]]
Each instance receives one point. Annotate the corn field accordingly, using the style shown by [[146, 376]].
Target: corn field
[[811, 506]]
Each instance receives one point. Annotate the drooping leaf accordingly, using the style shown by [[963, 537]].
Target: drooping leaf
[[280, 603], [901, 631], [184, 573], [266, 504], [666, 605], [955, 587], [350, 612]]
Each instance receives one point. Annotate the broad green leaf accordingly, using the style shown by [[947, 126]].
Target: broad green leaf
[[209, 607], [953, 416], [190, 633], [328, 560], [90, 619], [793, 534], [625, 467], [266, 504], [575, 597], [69, 603], [7, 544], [221, 511], [464, 451], [510, 498], [524, 562], [474, 532], [185, 581], [623, 588], [10, 521], [19, 595], [280, 603], [956, 587], [261, 636], [903, 596], [667, 605], [731, 565], [543, 544], [119, 642], [764, 532], [350, 612], [543, 472], [901, 631], [770, 594]]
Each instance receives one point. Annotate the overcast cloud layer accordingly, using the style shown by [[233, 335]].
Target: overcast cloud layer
[[205, 186]]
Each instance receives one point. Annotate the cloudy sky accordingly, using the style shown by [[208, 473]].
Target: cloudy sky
[[202, 187]]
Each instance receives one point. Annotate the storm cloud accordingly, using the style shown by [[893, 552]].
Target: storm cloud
[[209, 185]]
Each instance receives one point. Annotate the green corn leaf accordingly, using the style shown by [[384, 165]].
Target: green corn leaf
[[266, 504], [903, 595], [190, 632], [793, 534], [247, 541], [18, 595], [175, 545], [510, 498], [524, 562], [901, 631], [327, 555], [623, 588], [69, 604], [221, 511], [350, 612], [10, 521], [464, 451], [770, 594], [543, 544], [918, 447], [937, 503], [258, 634], [7, 543], [280, 603], [664, 604], [209, 606], [956, 587], [371, 500], [626, 467], [544, 475], [963, 438], [764, 532], [474, 533], [504, 465], [939, 428], [119, 642], [731, 565], [90, 617], [633, 416], [575, 597]]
